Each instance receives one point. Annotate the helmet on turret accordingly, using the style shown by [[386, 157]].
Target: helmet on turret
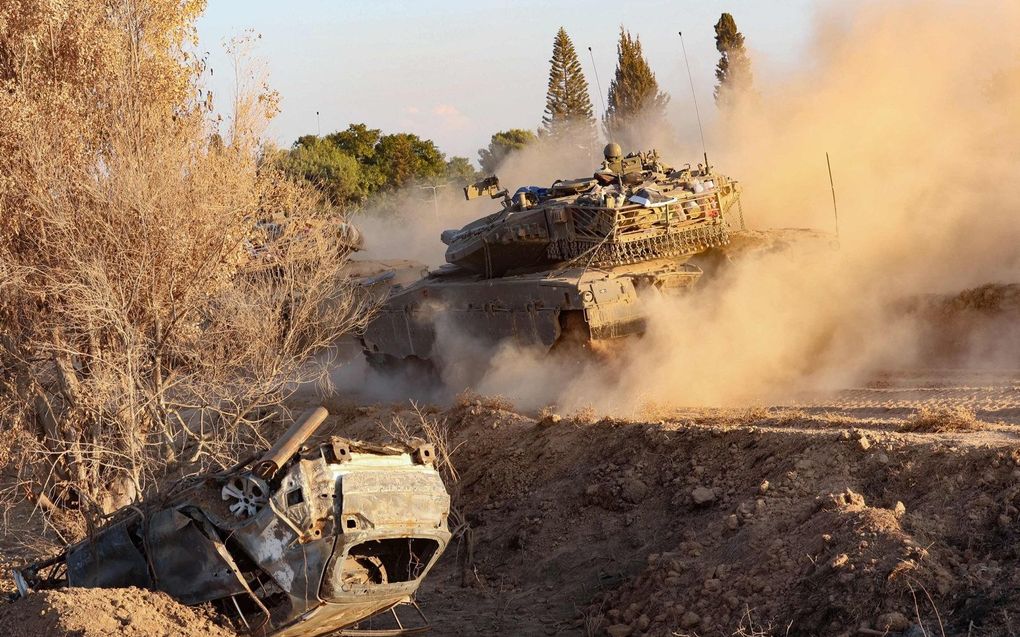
[[612, 152]]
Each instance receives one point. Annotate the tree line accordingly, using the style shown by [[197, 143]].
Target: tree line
[[352, 165]]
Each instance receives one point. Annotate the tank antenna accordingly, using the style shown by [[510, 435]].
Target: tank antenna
[[694, 95], [832, 186], [598, 84]]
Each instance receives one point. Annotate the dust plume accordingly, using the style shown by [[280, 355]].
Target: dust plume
[[408, 223], [920, 118]]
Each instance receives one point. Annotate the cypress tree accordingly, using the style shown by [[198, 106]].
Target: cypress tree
[[734, 69], [634, 93], [568, 110]]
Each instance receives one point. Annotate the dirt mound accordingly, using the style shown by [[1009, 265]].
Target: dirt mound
[[820, 521], [94, 612]]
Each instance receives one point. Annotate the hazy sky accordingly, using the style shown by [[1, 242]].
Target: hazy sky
[[457, 71]]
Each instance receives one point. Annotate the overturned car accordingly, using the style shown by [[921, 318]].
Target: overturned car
[[304, 540]]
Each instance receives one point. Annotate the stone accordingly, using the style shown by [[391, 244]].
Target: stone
[[702, 495], [732, 522], [633, 490], [763, 487], [899, 510]]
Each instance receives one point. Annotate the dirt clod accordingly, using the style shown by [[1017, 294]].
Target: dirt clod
[[702, 495]]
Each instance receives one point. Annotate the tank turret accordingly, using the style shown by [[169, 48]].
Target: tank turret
[[635, 208]]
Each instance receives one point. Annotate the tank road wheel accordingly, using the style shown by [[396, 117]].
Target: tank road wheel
[[415, 369], [574, 344]]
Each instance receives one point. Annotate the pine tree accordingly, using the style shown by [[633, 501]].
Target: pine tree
[[568, 110], [734, 69], [633, 94]]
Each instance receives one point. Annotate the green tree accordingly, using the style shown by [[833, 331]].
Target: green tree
[[460, 171], [358, 141], [568, 110], [501, 145], [734, 69], [634, 93], [334, 172], [404, 157]]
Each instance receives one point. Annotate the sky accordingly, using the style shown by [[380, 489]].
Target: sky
[[456, 72]]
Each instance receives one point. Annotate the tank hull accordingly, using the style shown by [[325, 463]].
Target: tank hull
[[529, 310]]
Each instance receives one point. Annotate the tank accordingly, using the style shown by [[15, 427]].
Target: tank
[[570, 263]]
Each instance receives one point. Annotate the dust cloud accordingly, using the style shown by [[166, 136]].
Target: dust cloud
[[921, 117], [408, 224]]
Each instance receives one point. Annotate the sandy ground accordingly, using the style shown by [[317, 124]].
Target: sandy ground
[[881, 509], [126, 612], [890, 508]]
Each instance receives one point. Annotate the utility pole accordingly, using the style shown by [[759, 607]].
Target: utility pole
[[435, 196], [318, 125]]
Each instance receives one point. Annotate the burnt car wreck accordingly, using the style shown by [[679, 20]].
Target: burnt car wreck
[[304, 540]]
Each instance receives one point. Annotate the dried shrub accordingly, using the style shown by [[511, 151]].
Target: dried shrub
[[147, 322], [469, 398], [943, 420]]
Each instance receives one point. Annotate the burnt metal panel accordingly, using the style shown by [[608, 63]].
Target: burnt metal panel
[[187, 563], [109, 560]]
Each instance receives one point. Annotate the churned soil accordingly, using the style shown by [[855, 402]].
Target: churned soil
[[93, 612], [892, 508], [880, 510]]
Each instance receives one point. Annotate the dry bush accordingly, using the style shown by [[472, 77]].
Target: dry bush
[[469, 398], [145, 320], [943, 420], [426, 426], [585, 415]]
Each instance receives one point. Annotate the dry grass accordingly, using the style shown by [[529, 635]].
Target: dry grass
[[756, 414], [470, 398], [943, 420], [585, 416]]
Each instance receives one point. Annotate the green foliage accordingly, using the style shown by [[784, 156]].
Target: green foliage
[[501, 145], [332, 171], [403, 157], [734, 69], [358, 141], [351, 165], [634, 92], [460, 172], [568, 110]]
